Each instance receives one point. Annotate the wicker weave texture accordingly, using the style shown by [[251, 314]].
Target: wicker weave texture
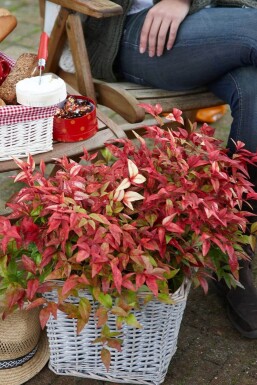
[[146, 352], [20, 139]]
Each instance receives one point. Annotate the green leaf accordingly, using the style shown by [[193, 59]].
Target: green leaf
[[105, 300], [3, 266], [165, 298], [109, 210], [171, 273], [252, 241], [99, 218], [117, 310], [105, 331], [151, 218], [132, 321], [254, 228], [84, 309], [35, 212]]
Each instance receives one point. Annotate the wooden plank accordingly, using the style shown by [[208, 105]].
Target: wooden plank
[[57, 41], [72, 150], [80, 57], [187, 103], [145, 93], [120, 101], [95, 8]]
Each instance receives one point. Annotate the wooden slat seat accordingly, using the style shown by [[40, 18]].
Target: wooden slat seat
[[124, 97]]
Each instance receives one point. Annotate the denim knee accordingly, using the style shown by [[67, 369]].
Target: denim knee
[[239, 89]]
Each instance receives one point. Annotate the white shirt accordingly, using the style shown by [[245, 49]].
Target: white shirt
[[138, 5]]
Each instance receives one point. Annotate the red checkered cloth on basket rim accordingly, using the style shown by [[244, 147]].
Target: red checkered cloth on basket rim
[[21, 114]]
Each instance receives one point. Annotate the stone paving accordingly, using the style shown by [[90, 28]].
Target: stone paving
[[210, 351]]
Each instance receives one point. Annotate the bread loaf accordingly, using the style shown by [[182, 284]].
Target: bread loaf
[[25, 67], [7, 23]]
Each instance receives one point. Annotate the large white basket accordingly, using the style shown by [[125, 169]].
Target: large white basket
[[146, 352], [25, 130]]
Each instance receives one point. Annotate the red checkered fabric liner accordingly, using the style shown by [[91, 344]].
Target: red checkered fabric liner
[[7, 58], [19, 114]]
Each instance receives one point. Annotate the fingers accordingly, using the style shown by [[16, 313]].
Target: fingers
[[161, 24], [154, 33], [172, 34], [145, 33]]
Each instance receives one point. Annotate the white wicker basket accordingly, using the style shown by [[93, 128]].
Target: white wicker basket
[[25, 130], [146, 352]]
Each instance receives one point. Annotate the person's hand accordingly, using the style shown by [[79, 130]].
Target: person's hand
[[162, 22]]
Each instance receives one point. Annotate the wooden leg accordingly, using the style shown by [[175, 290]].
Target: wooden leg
[[56, 42], [80, 57]]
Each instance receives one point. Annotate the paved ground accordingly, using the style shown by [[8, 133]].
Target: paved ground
[[209, 351]]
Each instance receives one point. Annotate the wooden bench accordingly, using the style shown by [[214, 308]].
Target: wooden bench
[[121, 97]]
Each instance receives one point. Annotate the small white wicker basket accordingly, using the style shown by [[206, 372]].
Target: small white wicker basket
[[25, 130], [146, 352]]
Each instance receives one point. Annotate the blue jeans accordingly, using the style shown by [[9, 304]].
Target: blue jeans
[[215, 47]]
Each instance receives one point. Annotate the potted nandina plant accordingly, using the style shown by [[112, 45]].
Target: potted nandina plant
[[106, 242]]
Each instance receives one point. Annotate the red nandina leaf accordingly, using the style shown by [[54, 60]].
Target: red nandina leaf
[[128, 241], [102, 315], [152, 284], [126, 282], [206, 247], [38, 302], [161, 234], [15, 297], [173, 227], [96, 268], [29, 264], [42, 167], [69, 284], [203, 283], [106, 358], [140, 280], [82, 255], [32, 287], [29, 230], [117, 276], [152, 110], [116, 232], [9, 232], [44, 316], [115, 344], [47, 256], [175, 116]]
